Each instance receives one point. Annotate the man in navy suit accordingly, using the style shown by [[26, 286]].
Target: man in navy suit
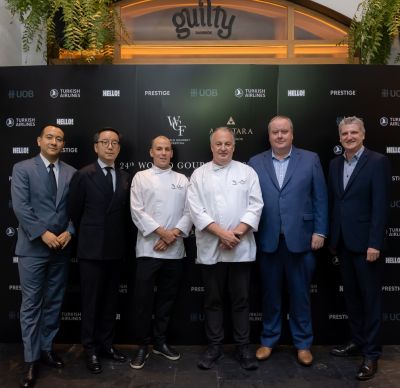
[[359, 202], [39, 190], [293, 225], [99, 208]]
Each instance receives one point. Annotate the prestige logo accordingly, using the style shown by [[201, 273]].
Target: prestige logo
[[342, 92], [70, 150], [175, 123], [338, 317], [20, 94], [202, 20], [157, 92]]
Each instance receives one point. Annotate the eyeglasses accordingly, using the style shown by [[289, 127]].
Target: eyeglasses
[[106, 143]]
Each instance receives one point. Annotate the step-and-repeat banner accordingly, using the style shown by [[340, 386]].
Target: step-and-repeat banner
[[185, 103]]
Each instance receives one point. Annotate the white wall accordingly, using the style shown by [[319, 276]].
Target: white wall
[[11, 53]]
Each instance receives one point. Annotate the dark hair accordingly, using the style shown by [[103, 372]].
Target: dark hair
[[104, 129], [50, 125]]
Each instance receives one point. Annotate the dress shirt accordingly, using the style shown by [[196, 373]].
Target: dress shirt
[[350, 165], [56, 167], [280, 167], [113, 175], [158, 198], [226, 195]]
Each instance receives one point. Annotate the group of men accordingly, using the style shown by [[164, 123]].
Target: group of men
[[281, 193]]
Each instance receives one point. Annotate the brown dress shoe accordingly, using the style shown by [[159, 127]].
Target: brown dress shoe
[[304, 357], [263, 353]]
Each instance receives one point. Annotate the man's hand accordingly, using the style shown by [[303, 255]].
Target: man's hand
[[317, 242], [64, 238], [51, 240], [372, 254], [160, 245]]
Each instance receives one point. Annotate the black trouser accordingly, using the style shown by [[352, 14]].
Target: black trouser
[[362, 288], [215, 278], [166, 274], [99, 293]]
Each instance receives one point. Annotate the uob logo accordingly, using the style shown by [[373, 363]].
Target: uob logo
[[175, 123]]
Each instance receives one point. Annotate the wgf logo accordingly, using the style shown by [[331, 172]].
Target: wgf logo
[[175, 123]]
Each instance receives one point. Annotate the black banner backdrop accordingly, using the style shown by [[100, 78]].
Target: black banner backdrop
[[185, 103]]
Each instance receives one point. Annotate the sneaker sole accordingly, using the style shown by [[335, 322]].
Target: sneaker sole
[[141, 365], [172, 358]]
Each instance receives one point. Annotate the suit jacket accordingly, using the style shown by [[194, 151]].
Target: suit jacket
[[101, 224], [299, 208], [359, 212], [34, 205]]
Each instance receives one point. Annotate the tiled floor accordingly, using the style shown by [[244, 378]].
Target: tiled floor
[[281, 370]]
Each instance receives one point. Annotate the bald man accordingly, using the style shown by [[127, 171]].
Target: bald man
[[158, 197]]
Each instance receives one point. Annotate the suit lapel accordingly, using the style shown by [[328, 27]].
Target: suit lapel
[[294, 161], [357, 169], [62, 177], [339, 174], [269, 166]]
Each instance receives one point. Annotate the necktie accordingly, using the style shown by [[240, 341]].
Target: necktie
[[110, 186], [52, 181]]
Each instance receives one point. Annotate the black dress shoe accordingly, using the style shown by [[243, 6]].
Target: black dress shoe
[[367, 370], [51, 359], [30, 375], [347, 350], [93, 364], [140, 359], [166, 351], [114, 354], [246, 359], [210, 357]]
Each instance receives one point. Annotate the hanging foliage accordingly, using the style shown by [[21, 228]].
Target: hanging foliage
[[372, 31], [88, 26]]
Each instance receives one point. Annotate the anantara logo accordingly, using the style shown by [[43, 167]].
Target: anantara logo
[[203, 20]]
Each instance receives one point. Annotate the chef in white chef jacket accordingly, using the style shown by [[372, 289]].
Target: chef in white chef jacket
[[225, 203], [158, 197]]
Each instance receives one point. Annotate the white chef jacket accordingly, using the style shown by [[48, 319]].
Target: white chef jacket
[[226, 195], [158, 198]]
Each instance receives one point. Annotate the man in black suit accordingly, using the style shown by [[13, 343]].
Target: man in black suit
[[359, 201], [99, 209]]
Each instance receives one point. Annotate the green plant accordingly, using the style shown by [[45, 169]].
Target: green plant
[[88, 26], [372, 31]]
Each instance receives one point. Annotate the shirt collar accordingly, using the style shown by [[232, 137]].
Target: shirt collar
[[217, 167], [356, 156], [158, 170], [285, 158], [103, 165], [47, 163]]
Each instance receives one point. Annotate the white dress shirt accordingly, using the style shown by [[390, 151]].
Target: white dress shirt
[[226, 195], [158, 198]]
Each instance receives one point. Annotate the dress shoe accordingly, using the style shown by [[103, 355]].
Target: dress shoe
[[246, 358], [30, 376], [304, 357], [263, 353], [114, 354], [166, 351], [210, 357], [140, 359], [347, 350], [51, 359], [93, 363], [367, 370]]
